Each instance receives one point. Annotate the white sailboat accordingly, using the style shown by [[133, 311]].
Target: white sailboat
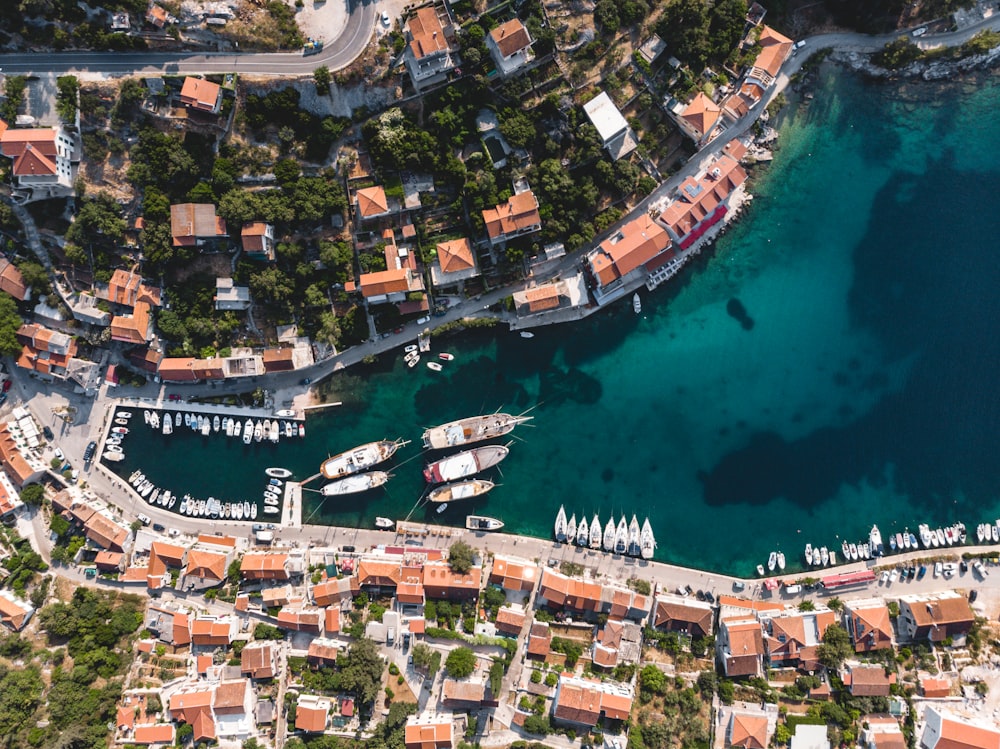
[[609, 535], [583, 532], [621, 536], [560, 527], [595, 532]]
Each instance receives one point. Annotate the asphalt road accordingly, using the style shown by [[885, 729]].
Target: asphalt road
[[336, 55]]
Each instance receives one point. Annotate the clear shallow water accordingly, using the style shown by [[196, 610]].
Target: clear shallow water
[[831, 364]]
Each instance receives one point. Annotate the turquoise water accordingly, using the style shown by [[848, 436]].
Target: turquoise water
[[832, 363]]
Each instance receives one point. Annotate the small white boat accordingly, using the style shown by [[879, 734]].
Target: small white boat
[[760, 567], [527, 334], [271, 510], [636, 303], [412, 348], [124, 415], [384, 523], [253, 512], [781, 560], [560, 526], [206, 427], [442, 508], [121, 422], [177, 419], [216, 423], [434, 366], [809, 552], [278, 473], [302, 431], [114, 457], [289, 430], [246, 509], [168, 425], [482, 523], [995, 533], [854, 552], [271, 500], [285, 413], [258, 431], [824, 556], [187, 420], [411, 363], [772, 560], [119, 430], [445, 356]]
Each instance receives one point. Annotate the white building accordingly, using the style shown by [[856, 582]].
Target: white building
[[510, 47], [616, 136], [229, 296]]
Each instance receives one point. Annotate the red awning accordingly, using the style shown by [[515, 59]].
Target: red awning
[[704, 226], [848, 578]]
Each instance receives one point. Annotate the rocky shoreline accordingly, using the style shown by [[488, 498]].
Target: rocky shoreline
[[928, 70]]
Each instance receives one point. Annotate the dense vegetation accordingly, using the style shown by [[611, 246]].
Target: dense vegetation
[[358, 672]]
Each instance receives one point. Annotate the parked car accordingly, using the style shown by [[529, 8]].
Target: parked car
[[59, 453], [89, 452], [917, 33], [7, 385], [158, 527], [48, 434], [423, 320], [885, 577], [978, 568], [963, 566], [938, 568], [921, 572], [739, 585], [143, 519], [973, 595]]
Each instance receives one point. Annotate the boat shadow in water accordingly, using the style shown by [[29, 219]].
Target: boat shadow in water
[[736, 310]]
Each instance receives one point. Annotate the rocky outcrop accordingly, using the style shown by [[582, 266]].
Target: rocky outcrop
[[928, 70]]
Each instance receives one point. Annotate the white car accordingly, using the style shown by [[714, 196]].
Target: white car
[[892, 576], [949, 570], [938, 567], [424, 320], [978, 568], [885, 576], [143, 519], [919, 32], [385, 19], [59, 453]]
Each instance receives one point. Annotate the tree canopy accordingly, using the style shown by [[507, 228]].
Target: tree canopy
[[10, 321], [362, 673], [461, 662], [461, 557]]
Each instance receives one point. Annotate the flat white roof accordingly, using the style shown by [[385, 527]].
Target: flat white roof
[[605, 116]]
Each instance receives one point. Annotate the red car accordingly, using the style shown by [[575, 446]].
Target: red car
[[7, 384], [173, 397]]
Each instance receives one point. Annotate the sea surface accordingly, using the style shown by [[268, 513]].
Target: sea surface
[[833, 362]]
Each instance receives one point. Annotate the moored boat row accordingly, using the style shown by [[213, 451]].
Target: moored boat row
[[628, 538], [251, 430]]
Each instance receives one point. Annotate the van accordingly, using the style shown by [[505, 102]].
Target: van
[[793, 590], [739, 585]]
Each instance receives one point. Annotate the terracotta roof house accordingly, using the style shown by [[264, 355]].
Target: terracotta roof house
[[195, 709], [378, 573], [134, 327], [389, 285], [311, 714], [510, 46], [42, 157], [194, 224], [264, 566], [617, 642], [463, 695], [517, 217], [699, 118], [153, 733], [511, 620], [301, 620], [868, 624], [126, 288], [792, 638], [323, 651], [213, 632], [681, 614], [561, 592], [514, 574], [431, 53], [231, 697], [163, 556], [280, 595], [635, 244], [539, 640], [456, 262], [617, 137], [12, 281], [747, 731], [156, 16], [410, 593], [935, 688], [14, 612], [106, 533], [945, 731], [257, 239], [934, 617], [371, 203], [46, 352], [257, 661], [441, 582], [204, 569], [541, 298], [863, 680], [279, 359], [331, 620], [881, 732], [201, 95], [19, 465], [775, 49], [741, 647], [582, 702], [333, 590], [109, 561], [428, 732], [702, 202]]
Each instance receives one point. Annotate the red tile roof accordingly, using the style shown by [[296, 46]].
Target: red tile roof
[[519, 213]]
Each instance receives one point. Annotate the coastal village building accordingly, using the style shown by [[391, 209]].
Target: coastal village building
[[312, 713], [867, 622], [539, 641], [512, 574], [617, 642], [195, 225], [133, 327], [584, 703], [792, 638], [617, 137], [441, 582], [42, 157], [12, 281], [201, 95], [561, 592], [517, 217], [809, 737], [429, 731], [934, 617], [456, 263], [265, 566], [229, 296], [45, 352], [390, 285], [701, 203], [204, 569], [748, 730], [463, 695], [775, 49], [10, 500], [700, 119], [943, 730], [257, 239], [674, 613], [371, 203], [510, 47], [881, 732], [934, 689], [432, 50], [511, 620], [740, 645], [14, 611], [626, 256], [864, 680], [18, 435]]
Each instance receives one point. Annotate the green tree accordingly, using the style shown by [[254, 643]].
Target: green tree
[[684, 27], [461, 662], [10, 322], [363, 672], [68, 89], [322, 78], [652, 681], [461, 557], [836, 647], [33, 494], [517, 128]]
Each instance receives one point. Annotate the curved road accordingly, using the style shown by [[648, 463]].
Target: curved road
[[336, 55]]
